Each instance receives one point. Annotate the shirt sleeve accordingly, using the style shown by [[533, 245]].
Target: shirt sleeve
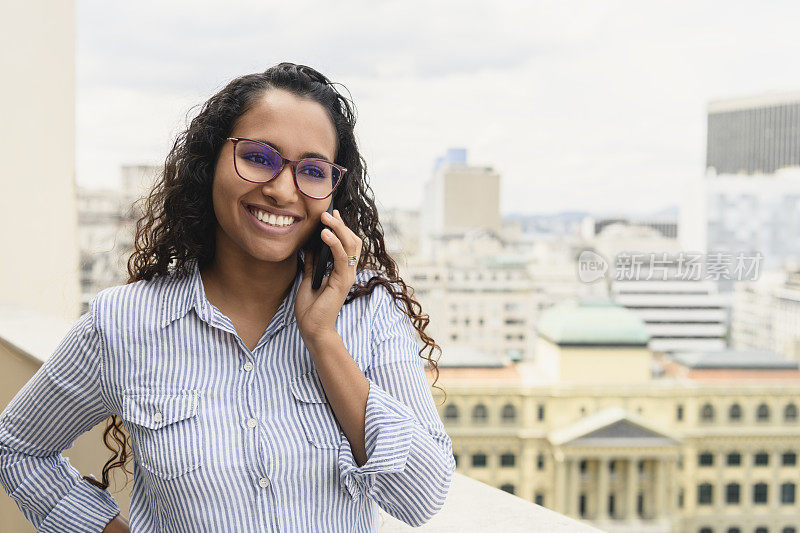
[[59, 403], [410, 461]]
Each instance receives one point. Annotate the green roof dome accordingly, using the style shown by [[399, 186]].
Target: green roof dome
[[592, 322]]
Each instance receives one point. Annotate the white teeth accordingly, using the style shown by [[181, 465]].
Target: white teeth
[[271, 219]]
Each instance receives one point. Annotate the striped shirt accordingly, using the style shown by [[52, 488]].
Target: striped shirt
[[225, 438]]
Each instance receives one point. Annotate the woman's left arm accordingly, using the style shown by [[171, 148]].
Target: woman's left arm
[[394, 446]]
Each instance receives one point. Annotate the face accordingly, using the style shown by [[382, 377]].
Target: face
[[295, 126]]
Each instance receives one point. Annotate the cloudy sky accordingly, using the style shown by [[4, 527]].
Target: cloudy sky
[[592, 105]]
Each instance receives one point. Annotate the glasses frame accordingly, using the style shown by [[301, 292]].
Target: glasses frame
[[292, 163]]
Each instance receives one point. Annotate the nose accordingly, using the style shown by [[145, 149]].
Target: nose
[[282, 187]]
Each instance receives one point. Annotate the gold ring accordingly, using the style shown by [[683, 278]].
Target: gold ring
[[352, 260]]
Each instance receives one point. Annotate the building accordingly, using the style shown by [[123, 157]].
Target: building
[[748, 215], [766, 314], [754, 135], [603, 430], [107, 226], [459, 197]]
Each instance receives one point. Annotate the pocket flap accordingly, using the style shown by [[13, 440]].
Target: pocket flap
[[308, 388], [155, 410]]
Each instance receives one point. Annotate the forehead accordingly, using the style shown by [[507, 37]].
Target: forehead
[[295, 125]]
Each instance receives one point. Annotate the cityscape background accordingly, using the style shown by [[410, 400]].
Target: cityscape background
[[596, 204]]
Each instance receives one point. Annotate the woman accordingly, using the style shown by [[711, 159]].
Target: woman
[[253, 401]]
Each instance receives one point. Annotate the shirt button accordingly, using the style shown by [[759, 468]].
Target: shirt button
[[264, 482], [248, 366], [158, 417], [252, 423]]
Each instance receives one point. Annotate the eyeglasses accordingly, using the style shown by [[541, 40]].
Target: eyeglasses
[[257, 162]]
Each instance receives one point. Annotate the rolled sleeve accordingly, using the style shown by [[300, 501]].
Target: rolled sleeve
[[59, 403], [410, 461]]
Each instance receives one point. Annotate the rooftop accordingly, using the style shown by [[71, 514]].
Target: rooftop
[[597, 322], [734, 359]]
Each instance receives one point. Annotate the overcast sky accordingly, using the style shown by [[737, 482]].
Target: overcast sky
[[597, 106]]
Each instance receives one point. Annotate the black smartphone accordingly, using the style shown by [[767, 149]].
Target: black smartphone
[[324, 253]]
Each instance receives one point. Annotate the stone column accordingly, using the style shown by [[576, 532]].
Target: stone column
[[560, 482], [661, 492], [631, 489], [602, 488], [573, 487]]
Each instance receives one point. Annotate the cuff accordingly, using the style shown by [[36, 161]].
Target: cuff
[[84, 508], [388, 432]]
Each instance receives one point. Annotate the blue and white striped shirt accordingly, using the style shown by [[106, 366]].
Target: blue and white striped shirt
[[224, 438]]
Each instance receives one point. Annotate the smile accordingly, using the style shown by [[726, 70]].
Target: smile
[[271, 224]]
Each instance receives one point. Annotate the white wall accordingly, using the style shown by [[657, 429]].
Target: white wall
[[38, 220]]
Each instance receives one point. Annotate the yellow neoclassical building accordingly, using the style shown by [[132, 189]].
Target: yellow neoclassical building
[[603, 430]]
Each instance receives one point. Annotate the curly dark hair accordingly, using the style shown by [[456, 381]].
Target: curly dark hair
[[178, 224]]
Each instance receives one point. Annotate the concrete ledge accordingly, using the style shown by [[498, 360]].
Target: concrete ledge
[[475, 506]]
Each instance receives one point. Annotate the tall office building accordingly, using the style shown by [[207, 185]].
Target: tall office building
[[758, 134], [459, 197]]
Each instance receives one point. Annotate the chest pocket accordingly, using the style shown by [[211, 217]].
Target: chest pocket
[[164, 430], [316, 415]]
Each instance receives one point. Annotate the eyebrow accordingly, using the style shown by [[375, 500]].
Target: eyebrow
[[315, 155]]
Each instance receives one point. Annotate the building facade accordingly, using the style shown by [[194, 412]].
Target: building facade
[[629, 441], [759, 134]]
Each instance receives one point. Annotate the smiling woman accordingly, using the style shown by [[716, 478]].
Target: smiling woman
[[303, 408]]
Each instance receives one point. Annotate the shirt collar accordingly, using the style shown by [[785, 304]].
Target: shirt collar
[[185, 291]]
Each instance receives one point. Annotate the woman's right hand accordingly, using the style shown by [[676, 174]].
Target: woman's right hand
[[118, 524]]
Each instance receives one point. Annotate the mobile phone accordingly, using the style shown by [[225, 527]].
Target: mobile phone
[[324, 255]]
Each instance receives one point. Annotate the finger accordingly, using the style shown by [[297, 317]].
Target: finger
[[345, 234], [337, 249]]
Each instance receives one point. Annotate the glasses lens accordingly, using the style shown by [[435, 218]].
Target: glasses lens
[[316, 177], [257, 162]]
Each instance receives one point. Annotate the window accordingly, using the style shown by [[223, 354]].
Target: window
[[455, 457], [788, 529], [612, 465], [680, 499], [761, 529], [789, 459], [732, 493], [509, 413], [761, 459], [540, 412], [790, 413], [479, 414], [582, 505], [679, 413], [705, 530], [538, 498], [479, 459], [762, 413], [735, 413], [451, 413], [787, 492], [508, 488], [540, 461], [760, 493], [582, 466], [705, 459], [507, 459], [704, 494], [734, 530], [734, 459], [707, 413]]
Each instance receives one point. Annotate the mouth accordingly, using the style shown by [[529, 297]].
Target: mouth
[[270, 224]]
